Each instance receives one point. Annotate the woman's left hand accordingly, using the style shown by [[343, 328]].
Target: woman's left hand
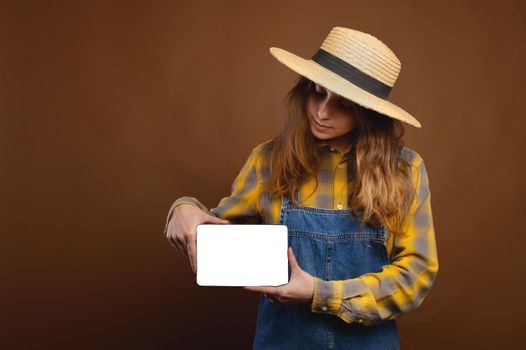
[[300, 288]]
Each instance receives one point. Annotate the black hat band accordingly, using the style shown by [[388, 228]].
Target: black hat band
[[351, 74]]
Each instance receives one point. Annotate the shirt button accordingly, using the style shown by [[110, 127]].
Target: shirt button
[[324, 308], [339, 206], [360, 320], [340, 165], [332, 149]]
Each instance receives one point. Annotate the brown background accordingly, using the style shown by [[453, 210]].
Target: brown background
[[109, 110]]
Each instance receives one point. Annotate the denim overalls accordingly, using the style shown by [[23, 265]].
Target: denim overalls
[[332, 245]]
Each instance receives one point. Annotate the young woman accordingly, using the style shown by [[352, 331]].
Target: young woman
[[355, 200]]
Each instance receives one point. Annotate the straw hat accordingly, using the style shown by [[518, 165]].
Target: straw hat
[[354, 65]]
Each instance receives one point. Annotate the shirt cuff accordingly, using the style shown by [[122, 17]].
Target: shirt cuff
[[190, 200], [184, 200], [327, 296]]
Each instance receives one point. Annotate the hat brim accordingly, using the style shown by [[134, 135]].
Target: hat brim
[[333, 82]]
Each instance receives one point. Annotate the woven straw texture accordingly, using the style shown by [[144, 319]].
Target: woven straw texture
[[364, 52]]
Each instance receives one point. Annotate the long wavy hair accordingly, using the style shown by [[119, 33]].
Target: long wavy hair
[[380, 188]]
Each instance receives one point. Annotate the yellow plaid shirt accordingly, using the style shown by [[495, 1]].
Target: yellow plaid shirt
[[368, 299]]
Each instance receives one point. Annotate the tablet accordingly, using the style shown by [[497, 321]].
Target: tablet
[[242, 255]]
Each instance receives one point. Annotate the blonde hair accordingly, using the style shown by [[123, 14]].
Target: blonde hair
[[380, 188]]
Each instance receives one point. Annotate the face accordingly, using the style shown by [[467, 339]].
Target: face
[[331, 116]]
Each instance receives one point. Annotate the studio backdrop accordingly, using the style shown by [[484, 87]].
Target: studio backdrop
[[110, 110]]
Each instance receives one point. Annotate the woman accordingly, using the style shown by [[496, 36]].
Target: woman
[[355, 200]]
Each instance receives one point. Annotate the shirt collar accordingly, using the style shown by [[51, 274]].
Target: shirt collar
[[323, 143]]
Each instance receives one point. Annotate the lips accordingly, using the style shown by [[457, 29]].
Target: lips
[[320, 125]]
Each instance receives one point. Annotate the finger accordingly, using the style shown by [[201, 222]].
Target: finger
[[191, 248], [173, 243], [170, 238], [276, 300], [292, 260], [272, 299], [268, 290], [176, 244], [215, 220], [182, 246], [279, 300]]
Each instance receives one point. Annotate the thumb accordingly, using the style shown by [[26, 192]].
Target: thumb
[[292, 260], [215, 220]]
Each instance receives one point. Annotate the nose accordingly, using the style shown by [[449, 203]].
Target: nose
[[325, 109]]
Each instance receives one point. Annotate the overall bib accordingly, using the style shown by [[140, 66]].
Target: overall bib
[[331, 245]]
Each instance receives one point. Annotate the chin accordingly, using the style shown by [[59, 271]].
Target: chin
[[321, 136]]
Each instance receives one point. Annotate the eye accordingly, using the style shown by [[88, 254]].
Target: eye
[[345, 103], [319, 91]]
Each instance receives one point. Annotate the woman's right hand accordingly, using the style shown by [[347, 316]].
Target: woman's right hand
[[181, 232]]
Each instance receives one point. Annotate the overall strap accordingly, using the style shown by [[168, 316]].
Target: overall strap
[[287, 202]]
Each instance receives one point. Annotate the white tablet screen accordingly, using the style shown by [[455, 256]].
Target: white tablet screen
[[242, 255]]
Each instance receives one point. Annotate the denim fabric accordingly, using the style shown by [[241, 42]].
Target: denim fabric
[[331, 245]]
